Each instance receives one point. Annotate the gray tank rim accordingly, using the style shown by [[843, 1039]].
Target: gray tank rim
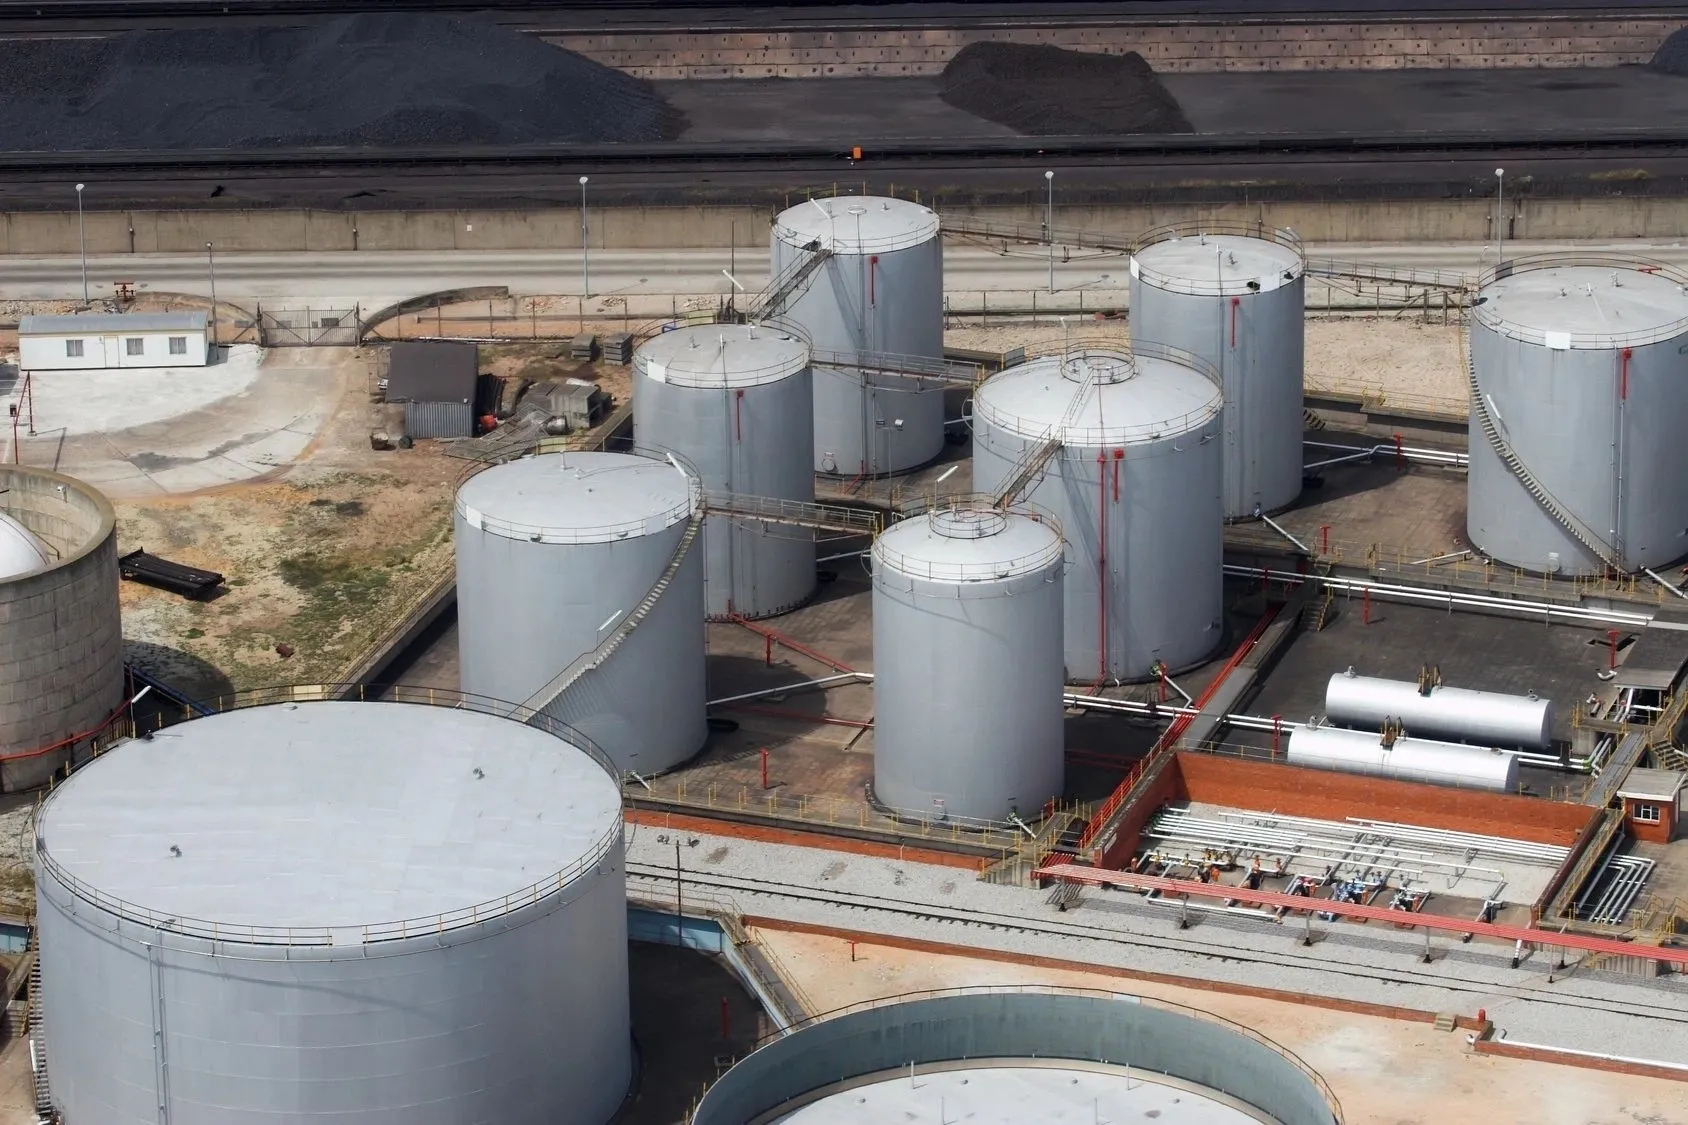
[[972, 518], [1270, 238], [1482, 313], [782, 362], [1057, 355], [694, 507], [102, 507], [904, 224]]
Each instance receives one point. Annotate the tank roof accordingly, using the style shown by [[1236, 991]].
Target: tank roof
[[1126, 398], [330, 815], [969, 543], [722, 355], [1584, 306], [579, 497], [857, 224], [1013, 1092], [20, 551], [1217, 264]]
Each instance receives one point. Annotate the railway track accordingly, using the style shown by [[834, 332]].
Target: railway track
[[1566, 992]]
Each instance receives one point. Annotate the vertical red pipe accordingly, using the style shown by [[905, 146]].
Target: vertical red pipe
[[1324, 539], [872, 278], [764, 767], [738, 415], [1611, 648], [1365, 606], [1623, 374], [1277, 733], [1400, 455], [1235, 301], [1101, 566]]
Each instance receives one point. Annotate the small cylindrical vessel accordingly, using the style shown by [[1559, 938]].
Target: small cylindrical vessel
[[1486, 718], [1406, 759]]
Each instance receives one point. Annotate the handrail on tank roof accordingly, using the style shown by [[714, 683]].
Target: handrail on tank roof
[[1062, 990], [375, 932], [1112, 347], [693, 505], [1574, 259], [963, 571], [1232, 228]]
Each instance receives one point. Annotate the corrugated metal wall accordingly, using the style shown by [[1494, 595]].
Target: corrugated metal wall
[[439, 419]]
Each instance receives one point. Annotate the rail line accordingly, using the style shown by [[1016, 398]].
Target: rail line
[[1563, 994]]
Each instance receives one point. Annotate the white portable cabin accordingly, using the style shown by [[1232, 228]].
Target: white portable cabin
[[96, 341]]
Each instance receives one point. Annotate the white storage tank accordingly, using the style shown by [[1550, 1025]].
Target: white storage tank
[[1407, 759], [736, 402], [61, 632], [556, 555], [967, 664], [1580, 372], [1235, 295], [880, 291], [337, 913], [1484, 717], [1135, 488]]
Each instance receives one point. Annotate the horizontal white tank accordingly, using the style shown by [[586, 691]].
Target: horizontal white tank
[[1483, 717], [1409, 759]]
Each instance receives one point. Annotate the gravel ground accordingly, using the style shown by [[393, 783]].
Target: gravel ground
[[1051, 91], [1350, 962], [382, 80]]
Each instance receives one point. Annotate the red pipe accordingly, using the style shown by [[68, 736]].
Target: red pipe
[[764, 767], [1324, 539], [1119, 455], [1102, 567], [1277, 733], [1611, 648], [872, 276], [1623, 374], [1235, 301], [1400, 455], [738, 415]]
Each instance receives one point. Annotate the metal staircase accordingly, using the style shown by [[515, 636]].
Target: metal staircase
[[1579, 531], [1321, 614], [772, 300], [957, 372], [594, 658], [1034, 459], [37, 1028]]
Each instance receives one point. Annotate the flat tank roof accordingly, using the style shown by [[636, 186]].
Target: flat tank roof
[[857, 224], [1022, 1095], [722, 355], [578, 497], [968, 544], [1217, 264], [1126, 398], [325, 814], [1568, 307], [20, 551]]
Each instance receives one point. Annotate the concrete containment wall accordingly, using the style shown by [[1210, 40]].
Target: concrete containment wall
[[1182, 46]]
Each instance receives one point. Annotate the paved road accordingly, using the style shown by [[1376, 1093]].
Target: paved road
[[377, 278]]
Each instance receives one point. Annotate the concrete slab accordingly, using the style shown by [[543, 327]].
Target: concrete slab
[[112, 399]]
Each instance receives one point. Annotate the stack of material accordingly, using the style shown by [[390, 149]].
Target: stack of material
[[1672, 55], [1050, 91], [584, 347], [579, 402], [618, 348]]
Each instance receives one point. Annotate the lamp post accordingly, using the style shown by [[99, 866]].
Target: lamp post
[[1049, 225], [82, 241], [1500, 215], [211, 265], [585, 274]]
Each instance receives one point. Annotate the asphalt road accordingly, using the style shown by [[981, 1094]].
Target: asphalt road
[[373, 279]]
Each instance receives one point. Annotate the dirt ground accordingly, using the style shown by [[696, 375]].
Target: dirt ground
[[549, 359], [318, 556], [1403, 360], [1384, 1072]]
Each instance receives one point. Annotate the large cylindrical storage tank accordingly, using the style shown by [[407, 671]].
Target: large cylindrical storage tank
[[61, 633], [555, 554], [1484, 717], [967, 664], [1135, 488], [340, 913], [1582, 373], [736, 402], [880, 291], [1235, 296], [1408, 759]]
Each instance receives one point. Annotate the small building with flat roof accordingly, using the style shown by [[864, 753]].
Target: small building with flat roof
[[435, 379], [99, 341], [1653, 803]]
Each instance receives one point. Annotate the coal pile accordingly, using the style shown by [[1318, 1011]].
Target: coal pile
[[384, 81], [1672, 55], [1050, 91]]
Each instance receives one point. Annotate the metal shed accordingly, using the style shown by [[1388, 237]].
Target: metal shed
[[435, 379]]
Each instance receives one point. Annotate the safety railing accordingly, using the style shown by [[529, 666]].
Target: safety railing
[[1217, 228], [1491, 317], [914, 367], [1374, 398], [973, 517], [1382, 273], [329, 935], [796, 513], [997, 230], [546, 533]]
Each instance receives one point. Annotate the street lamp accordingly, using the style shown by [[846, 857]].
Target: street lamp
[[1500, 215], [1049, 225], [82, 241], [585, 275], [211, 264]]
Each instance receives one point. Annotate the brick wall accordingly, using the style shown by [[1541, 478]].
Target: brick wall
[[1659, 833], [1167, 785], [1330, 795]]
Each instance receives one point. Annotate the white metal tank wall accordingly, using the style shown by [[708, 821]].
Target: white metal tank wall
[[1410, 759], [61, 631], [882, 292], [736, 402], [1584, 372], [1136, 490], [220, 938], [967, 664], [1484, 717], [1235, 296], [552, 553]]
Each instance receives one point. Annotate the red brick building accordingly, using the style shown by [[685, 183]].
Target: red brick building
[[1653, 803]]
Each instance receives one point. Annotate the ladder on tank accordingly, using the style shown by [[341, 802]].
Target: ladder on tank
[[36, 1029], [1579, 530], [1037, 458], [772, 300]]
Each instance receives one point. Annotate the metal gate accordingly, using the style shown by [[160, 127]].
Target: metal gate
[[309, 328]]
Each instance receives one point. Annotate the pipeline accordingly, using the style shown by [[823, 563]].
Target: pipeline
[[1406, 452], [1500, 1037]]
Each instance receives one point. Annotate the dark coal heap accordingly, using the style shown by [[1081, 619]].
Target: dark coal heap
[[382, 81], [1050, 91], [1672, 55]]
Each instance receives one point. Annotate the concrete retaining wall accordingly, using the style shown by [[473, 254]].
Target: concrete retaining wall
[[1169, 47], [47, 234]]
